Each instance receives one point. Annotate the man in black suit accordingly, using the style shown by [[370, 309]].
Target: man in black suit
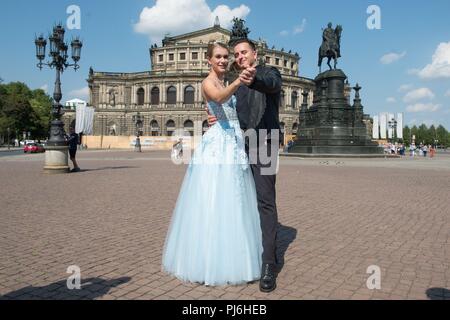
[[257, 108]]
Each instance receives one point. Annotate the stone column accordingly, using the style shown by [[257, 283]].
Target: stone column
[[163, 93]]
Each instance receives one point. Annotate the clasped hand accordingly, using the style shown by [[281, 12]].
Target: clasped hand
[[246, 76]]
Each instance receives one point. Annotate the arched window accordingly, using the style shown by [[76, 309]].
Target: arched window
[[294, 98], [189, 127], [140, 96], [282, 98], [170, 127], [189, 95], [171, 95], [112, 97], [154, 128], [155, 96], [294, 128]]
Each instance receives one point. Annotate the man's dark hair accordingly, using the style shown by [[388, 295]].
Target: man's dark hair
[[252, 45]]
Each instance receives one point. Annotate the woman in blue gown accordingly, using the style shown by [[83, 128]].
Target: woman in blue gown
[[214, 236]]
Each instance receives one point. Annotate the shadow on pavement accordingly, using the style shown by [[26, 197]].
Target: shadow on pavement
[[91, 288], [109, 168], [285, 236], [438, 294]]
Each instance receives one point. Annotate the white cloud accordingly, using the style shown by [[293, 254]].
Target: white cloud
[[405, 87], [45, 88], [423, 107], [178, 17], [418, 94], [391, 100], [300, 28], [82, 93], [392, 57], [447, 94], [440, 63], [296, 30]]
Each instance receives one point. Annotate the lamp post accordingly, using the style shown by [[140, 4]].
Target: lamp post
[[56, 158], [393, 126], [137, 119], [9, 132]]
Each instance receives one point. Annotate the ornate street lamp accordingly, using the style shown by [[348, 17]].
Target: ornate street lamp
[[56, 159], [137, 119], [393, 126]]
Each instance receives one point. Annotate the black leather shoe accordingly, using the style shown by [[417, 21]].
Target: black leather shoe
[[268, 281]]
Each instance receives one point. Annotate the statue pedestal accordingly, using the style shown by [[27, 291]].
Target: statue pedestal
[[331, 125], [56, 159]]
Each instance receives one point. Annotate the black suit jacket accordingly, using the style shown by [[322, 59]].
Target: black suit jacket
[[258, 104]]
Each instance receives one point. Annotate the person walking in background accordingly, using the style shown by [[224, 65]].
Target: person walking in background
[[72, 139], [177, 150], [425, 150], [402, 149], [412, 148], [432, 151]]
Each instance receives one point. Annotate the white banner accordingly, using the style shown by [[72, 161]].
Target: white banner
[[399, 125], [376, 128], [84, 120], [79, 118], [383, 123], [89, 121]]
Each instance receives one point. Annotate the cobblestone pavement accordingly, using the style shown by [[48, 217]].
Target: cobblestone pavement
[[337, 218]]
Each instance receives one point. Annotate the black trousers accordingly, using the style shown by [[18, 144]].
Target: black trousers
[[267, 207]]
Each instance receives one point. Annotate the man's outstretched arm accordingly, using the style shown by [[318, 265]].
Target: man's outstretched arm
[[267, 80]]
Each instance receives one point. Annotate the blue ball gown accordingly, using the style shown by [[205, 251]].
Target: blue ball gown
[[214, 236]]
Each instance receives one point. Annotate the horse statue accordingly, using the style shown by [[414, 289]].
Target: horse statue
[[238, 31], [331, 46]]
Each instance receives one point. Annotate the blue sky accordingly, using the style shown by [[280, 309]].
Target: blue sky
[[394, 64]]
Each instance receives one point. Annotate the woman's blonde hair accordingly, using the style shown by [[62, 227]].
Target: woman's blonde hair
[[212, 46]]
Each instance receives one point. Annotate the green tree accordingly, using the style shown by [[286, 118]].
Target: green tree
[[406, 135], [17, 108], [41, 104], [431, 134], [422, 134], [442, 136], [22, 109]]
